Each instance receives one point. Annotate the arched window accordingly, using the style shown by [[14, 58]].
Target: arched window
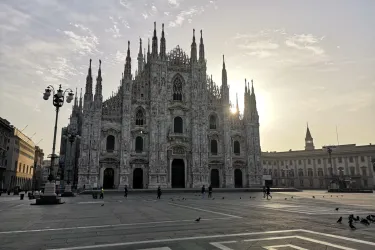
[[236, 147], [212, 122], [139, 118], [214, 147], [139, 144], [110, 143], [300, 172], [177, 89], [178, 125], [310, 172]]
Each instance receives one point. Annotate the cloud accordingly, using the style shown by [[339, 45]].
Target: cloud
[[114, 30], [174, 3], [186, 14], [84, 44], [305, 42]]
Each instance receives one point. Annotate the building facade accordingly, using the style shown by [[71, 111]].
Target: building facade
[[169, 126], [6, 132], [350, 165], [38, 164], [70, 144], [20, 161]]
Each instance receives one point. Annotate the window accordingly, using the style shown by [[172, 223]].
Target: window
[[310, 172], [364, 171], [138, 144], [362, 158], [299, 162], [23, 169], [110, 146], [275, 172], [212, 122], [320, 172], [270, 171], [291, 173], [352, 170], [300, 172], [19, 167], [282, 173], [301, 183], [351, 159], [311, 182], [214, 147], [139, 118], [177, 89], [321, 183], [319, 161], [236, 147], [308, 161], [178, 125], [27, 169], [265, 171]]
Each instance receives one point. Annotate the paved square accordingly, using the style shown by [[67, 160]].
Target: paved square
[[235, 222]]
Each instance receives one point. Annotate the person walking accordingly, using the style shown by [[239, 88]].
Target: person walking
[[159, 193], [269, 192], [126, 191], [203, 191], [210, 191], [102, 193], [264, 192]]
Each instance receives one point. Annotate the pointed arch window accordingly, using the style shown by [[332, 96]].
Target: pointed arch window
[[214, 147], [110, 146], [178, 125], [139, 144], [212, 122], [236, 148], [139, 118], [177, 89]]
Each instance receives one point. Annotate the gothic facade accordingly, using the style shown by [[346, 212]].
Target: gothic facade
[[170, 126]]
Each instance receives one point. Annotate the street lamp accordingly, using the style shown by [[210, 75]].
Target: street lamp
[[329, 151], [58, 100]]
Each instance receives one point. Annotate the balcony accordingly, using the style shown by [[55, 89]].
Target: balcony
[[178, 137]]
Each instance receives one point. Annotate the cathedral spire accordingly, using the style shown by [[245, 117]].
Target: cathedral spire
[[88, 90], [154, 43], [98, 87], [224, 74], [148, 51], [140, 56], [128, 60], [162, 43], [75, 100], [237, 107], [80, 101], [193, 51], [201, 49]]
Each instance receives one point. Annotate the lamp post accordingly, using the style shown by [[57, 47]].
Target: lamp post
[[57, 101], [68, 188], [329, 151]]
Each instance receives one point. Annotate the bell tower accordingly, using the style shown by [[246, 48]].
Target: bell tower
[[309, 141]]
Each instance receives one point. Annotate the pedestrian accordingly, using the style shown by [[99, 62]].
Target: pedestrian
[[203, 191], [210, 191], [159, 193], [126, 191], [269, 192], [102, 194], [264, 191]]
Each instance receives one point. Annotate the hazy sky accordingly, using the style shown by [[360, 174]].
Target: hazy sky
[[311, 61]]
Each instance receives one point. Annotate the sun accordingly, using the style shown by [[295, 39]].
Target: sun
[[233, 110]]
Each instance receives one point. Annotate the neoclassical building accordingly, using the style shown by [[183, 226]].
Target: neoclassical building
[[351, 165], [169, 125]]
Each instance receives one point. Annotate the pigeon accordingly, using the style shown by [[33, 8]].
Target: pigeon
[[102, 205], [331, 195], [365, 222], [323, 196], [314, 197], [222, 198], [339, 220], [285, 198], [351, 226], [197, 220], [292, 197], [369, 218], [213, 198], [337, 209], [240, 198]]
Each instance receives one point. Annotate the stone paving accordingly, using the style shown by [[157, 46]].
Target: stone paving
[[143, 222]]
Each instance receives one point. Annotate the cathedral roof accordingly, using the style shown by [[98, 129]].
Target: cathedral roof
[[178, 57]]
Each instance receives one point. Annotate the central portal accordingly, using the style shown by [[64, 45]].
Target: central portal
[[138, 178], [109, 178], [178, 173]]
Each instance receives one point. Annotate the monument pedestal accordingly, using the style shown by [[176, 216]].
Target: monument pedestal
[[68, 191], [49, 196]]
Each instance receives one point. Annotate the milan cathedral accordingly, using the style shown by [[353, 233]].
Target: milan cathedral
[[169, 125]]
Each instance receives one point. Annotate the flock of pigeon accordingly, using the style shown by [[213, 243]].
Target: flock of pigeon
[[351, 219]]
